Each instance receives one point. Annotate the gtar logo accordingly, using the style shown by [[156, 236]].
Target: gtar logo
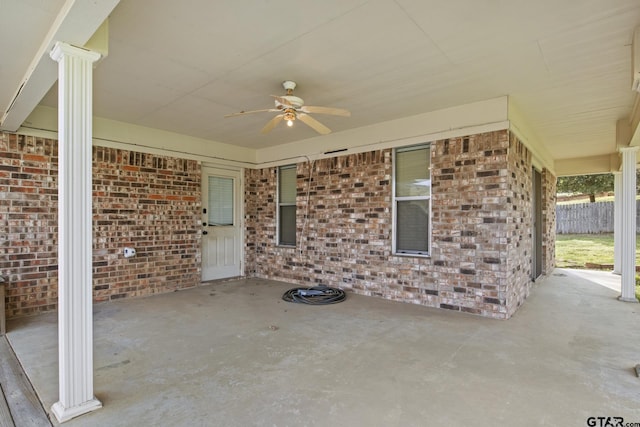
[[605, 422]]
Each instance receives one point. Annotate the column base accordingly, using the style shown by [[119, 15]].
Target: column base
[[624, 299], [65, 414]]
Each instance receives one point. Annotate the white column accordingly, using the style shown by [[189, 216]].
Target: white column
[[75, 317], [617, 222], [628, 231]]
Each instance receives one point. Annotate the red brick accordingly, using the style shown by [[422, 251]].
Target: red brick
[[344, 231], [32, 275]]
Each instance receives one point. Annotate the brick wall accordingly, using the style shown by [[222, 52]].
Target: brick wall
[[549, 220], [470, 188], [481, 231], [346, 214], [149, 202], [29, 223], [519, 237], [481, 223], [260, 218]]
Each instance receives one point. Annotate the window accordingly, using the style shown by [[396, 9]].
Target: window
[[287, 205], [220, 201], [412, 200]]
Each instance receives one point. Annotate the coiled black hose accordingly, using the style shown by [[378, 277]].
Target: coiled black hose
[[317, 295]]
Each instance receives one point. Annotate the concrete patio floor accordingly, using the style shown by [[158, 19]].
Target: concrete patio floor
[[235, 354]]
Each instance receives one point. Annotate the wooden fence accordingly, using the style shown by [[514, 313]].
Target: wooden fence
[[588, 218]]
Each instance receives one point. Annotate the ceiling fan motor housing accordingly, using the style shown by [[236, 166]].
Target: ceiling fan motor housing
[[294, 102], [289, 85]]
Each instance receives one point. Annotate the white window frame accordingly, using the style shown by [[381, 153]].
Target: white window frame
[[395, 201], [279, 205]]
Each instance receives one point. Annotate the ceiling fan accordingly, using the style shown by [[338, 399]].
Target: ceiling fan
[[292, 108]]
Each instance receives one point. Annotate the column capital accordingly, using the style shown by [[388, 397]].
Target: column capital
[[61, 49], [628, 149]]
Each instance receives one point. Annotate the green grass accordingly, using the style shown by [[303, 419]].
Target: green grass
[[589, 251]]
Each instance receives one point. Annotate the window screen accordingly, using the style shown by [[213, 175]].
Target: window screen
[[412, 231], [412, 198]]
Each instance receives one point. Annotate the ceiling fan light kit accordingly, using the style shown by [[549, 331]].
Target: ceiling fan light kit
[[292, 107]]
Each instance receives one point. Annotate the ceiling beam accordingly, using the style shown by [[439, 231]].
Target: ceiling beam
[[518, 124], [587, 165], [75, 24], [634, 123]]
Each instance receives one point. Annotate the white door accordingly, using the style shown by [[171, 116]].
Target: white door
[[221, 224]]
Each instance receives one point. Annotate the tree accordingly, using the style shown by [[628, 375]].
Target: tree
[[586, 184], [590, 184]]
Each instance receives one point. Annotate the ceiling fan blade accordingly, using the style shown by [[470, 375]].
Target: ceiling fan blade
[[242, 113], [326, 110], [283, 100], [272, 123], [313, 123]]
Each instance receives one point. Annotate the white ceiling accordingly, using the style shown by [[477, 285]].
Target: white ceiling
[[181, 66]]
